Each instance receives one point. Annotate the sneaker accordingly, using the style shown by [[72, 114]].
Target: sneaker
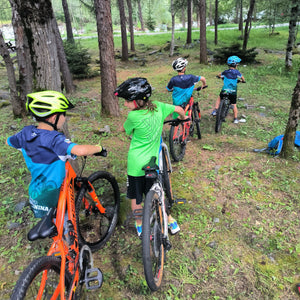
[[173, 226], [214, 112], [138, 229], [235, 121]]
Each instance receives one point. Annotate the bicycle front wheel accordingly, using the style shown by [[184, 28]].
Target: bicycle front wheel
[[196, 118], [176, 142], [45, 270], [152, 241], [220, 117], [94, 227]]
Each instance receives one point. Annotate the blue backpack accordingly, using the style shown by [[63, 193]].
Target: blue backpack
[[275, 146]]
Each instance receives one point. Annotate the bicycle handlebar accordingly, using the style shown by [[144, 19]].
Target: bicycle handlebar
[[176, 122], [103, 152], [239, 81], [201, 88]]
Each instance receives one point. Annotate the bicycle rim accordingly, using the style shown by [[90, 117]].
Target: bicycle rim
[[95, 228], [177, 145], [29, 282], [220, 116], [152, 241], [196, 119]]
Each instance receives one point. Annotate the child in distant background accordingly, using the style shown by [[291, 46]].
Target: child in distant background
[[182, 85], [230, 78]]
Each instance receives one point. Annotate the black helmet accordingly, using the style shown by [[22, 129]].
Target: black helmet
[[137, 88]]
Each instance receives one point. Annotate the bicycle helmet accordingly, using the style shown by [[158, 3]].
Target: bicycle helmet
[[179, 64], [137, 88], [232, 61], [44, 104]]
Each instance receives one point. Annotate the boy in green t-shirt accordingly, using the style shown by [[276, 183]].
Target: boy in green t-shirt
[[145, 124]]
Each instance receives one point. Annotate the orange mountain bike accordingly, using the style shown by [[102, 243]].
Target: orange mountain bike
[[77, 228], [179, 133]]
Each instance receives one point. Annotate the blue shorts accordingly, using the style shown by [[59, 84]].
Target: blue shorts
[[137, 187]]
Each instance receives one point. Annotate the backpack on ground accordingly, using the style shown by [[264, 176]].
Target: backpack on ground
[[275, 145]]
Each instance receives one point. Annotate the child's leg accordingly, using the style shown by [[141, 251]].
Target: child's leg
[[134, 206], [235, 111], [218, 102]]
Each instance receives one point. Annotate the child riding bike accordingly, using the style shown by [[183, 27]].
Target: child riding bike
[[182, 85], [145, 124], [230, 78], [45, 150]]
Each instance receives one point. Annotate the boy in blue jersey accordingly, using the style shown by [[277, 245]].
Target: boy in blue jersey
[[182, 85], [45, 150], [230, 79]]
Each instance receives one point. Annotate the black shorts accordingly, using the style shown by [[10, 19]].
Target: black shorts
[[231, 97], [137, 187]]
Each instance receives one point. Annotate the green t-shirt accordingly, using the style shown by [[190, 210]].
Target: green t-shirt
[[146, 128]]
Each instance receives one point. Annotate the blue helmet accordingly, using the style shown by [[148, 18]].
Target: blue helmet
[[232, 61]]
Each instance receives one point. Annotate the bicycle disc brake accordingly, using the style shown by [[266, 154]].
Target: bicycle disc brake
[[93, 277]]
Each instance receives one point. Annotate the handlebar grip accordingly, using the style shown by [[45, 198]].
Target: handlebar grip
[[201, 88], [103, 153]]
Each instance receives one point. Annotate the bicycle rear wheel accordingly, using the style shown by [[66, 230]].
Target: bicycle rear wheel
[[167, 178], [152, 241], [220, 117], [196, 118], [177, 145], [28, 285], [95, 228]]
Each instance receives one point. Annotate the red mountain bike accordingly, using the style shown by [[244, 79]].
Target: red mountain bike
[[179, 134]]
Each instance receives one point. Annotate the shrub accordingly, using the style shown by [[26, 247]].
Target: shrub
[[78, 59], [247, 56]]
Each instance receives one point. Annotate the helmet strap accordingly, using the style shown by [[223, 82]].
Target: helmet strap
[[135, 104], [53, 125]]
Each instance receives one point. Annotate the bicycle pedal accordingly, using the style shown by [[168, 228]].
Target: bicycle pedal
[[93, 278], [180, 201]]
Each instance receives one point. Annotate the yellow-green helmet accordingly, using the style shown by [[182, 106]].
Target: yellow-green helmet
[[46, 103]]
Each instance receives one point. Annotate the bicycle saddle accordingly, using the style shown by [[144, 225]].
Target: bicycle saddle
[[44, 228]]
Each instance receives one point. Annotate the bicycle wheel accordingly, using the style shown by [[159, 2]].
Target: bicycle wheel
[[152, 241], [220, 117], [177, 145], [28, 285], [196, 118], [166, 178], [95, 228]]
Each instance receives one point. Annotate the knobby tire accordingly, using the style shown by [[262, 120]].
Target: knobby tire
[[152, 243], [177, 146], [196, 118], [167, 179], [27, 286], [95, 228], [220, 116]]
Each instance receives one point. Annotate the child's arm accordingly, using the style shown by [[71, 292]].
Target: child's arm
[[243, 79], [85, 150], [203, 80], [180, 111]]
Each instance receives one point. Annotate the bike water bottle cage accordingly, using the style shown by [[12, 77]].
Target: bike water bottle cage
[[151, 168]]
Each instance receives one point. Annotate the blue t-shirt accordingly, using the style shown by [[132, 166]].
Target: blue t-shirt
[[182, 87], [45, 153], [230, 79]]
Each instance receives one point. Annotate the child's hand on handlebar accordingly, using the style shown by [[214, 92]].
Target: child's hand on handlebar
[[103, 152]]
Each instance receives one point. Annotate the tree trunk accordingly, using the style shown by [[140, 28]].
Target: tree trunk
[[216, 21], [70, 37], [183, 16], [173, 29], [109, 102], [210, 13], [23, 55], [248, 24], [189, 18], [241, 20], [63, 63], [123, 30], [141, 15], [36, 18], [203, 46], [290, 131], [292, 35], [18, 106], [132, 48]]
